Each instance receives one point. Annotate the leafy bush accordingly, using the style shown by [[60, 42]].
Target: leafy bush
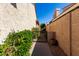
[[35, 32], [17, 44], [1, 50]]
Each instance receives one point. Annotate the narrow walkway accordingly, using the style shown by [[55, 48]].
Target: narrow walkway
[[41, 47]]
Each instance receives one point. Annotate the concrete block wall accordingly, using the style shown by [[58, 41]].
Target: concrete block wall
[[50, 29], [63, 33], [75, 32], [67, 31], [49, 35], [61, 27]]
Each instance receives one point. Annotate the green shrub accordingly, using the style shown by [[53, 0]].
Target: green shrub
[[35, 32], [17, 44], [1, 50]]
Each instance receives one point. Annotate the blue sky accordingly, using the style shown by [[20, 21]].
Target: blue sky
[[45, 11]]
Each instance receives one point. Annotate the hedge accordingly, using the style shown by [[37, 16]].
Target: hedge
[[17, 44]]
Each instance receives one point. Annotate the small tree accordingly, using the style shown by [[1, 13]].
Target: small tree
[[42, 26]]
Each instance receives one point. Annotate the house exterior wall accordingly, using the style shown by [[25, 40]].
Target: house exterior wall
[[67, 31], [16, 19]]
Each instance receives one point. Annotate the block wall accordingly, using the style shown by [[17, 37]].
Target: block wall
[[75, 32], [67, 32]]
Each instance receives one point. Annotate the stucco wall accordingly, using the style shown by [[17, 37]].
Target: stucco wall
[[14, 19]]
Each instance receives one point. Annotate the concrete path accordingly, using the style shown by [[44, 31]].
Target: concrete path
[[41, 47]]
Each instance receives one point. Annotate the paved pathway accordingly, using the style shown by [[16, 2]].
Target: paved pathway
[[41, 47]]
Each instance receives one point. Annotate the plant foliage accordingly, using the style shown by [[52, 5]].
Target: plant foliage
[[35, 32], [17, 44]]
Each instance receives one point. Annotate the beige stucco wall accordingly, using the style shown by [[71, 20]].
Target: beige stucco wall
[[20, 18]]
